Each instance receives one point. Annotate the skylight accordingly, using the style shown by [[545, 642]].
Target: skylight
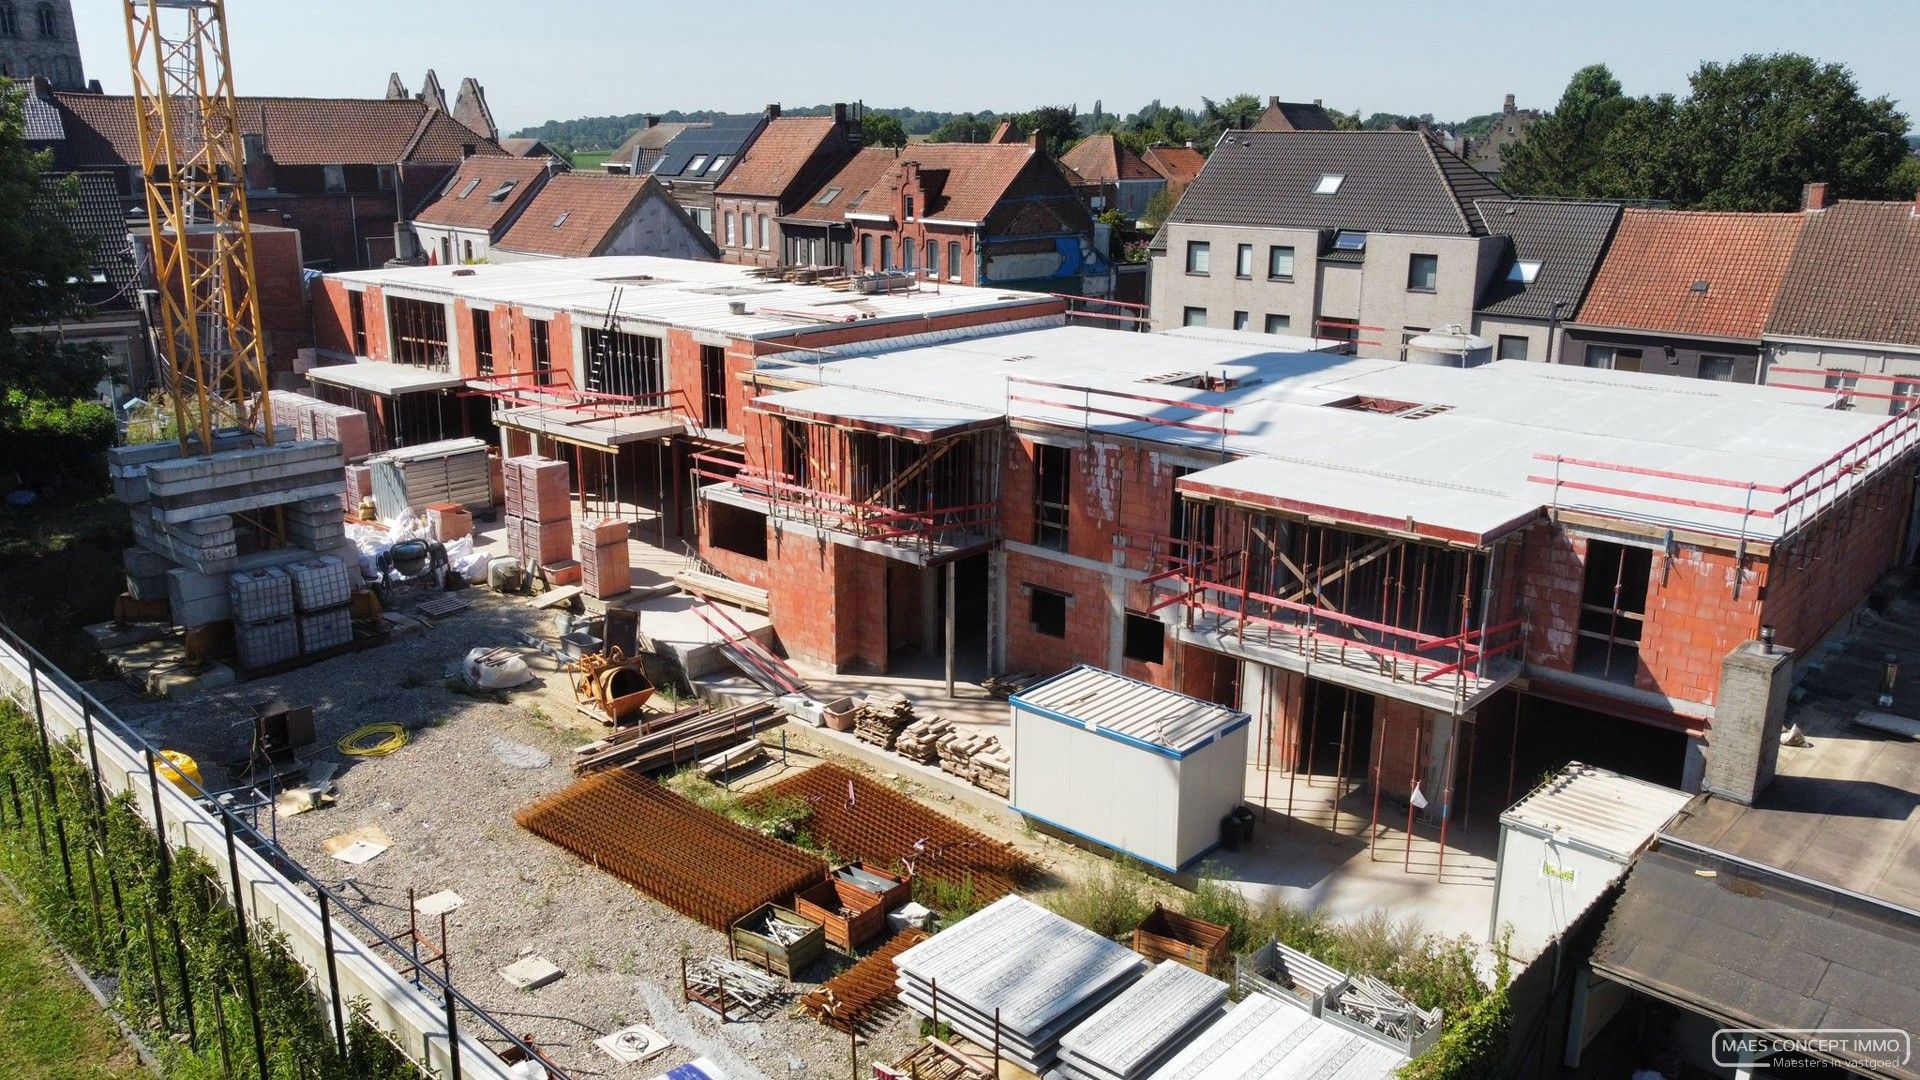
[[1345, 240], [698, 163], [500, 193], [468, 190], [1524, 271], [1329, 184], [827, 196], [562, 219], [719, 163]]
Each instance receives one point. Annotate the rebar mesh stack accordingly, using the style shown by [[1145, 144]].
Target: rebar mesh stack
[[686, 857], [864, 991]]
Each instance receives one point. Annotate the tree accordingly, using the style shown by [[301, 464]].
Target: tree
[[1159, 207], [879, 129], [1058, 126], [48, 424], [963, 128], [1561, 154], [1237, 113]]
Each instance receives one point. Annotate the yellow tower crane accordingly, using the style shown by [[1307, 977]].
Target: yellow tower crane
[[195, 171]]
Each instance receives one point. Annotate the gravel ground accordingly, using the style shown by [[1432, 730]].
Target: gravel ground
[[448, 800]]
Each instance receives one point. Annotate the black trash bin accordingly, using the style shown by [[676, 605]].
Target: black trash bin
[[1229, 833], [1243, 819]]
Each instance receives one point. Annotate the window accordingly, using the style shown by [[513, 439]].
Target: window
[[1243, 261], [1279, 324], [541, 348], [1329, 184], [1512, 347], [727, 219], [1423, 272], [562, 219], [1239, 320], [737, 529], [446, 250], [336, 177], [713, 386], [419, 332], [749, 231], [1199, 256], [866, 252], [383, 175], [1193, 316], [909, 207], [466, 251], [909, 252], [468, 189], [827, 196], [703, 217], [719, 165], [500, 193], [1052, 487], [1524, 271], [1047, 611], [1904, 394], [621, 363], [49, 25], [1280, 263], [1613, 606], [953, 260], [357, 315], [1843, 381], [698, 163], [9, 21], [1717, 368], [766, 234], [933, 258], [483, 342], [1349, 241], [1613, 358], [886, 253], [1146, 639]]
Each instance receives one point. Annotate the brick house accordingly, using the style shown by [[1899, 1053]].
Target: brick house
[[694, 162], [1370, 557], [1000, 214], [1110, 176], [635, 156], [1684, 293], [341, 171], [783, 168], [579, 215], [1180, 165], [481, 200], [1554, 249]]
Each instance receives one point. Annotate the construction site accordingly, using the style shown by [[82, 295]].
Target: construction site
[[609, 666]]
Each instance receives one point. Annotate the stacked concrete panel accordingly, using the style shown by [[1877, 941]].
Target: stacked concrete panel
[[239, 481], [312, 418], [539, 513], [315, 524], [605, 569], [261, 602], [1134, 1033], [146, 573], [452, 470]]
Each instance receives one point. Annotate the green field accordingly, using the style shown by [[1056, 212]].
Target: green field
[[590, 159], [50, 1026]]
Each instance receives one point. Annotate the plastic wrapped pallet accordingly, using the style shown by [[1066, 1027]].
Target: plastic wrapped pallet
[[452, 470], [320, 583], [260, 596]]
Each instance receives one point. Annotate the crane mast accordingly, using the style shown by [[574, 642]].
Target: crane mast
[[194, 168]]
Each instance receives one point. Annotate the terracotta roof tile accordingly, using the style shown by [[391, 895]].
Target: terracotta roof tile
[[844, 188], [576, 214], [1104, 159], [473, 199], [778, 159], [964, 180], [1853, 276], [1647, 279], [1179, 164], [299, 131]]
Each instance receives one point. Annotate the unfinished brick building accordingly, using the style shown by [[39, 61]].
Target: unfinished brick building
[[1420, 575]]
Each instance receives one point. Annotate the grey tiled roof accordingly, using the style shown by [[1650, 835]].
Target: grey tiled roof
[[1852, 276], [98, 216], [1395, 181], [43, 120], [1567, 239]]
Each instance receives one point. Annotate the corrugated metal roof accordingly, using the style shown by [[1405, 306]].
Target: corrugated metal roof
[[1134, 1028], [1131, 710], [1597, 808], [1263, 1039]]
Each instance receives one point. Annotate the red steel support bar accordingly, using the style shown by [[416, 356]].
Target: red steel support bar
[[1602, 489], [1101, 300], [1664, 474], [1324, 613]]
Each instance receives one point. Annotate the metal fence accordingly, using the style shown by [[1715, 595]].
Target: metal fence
[[340, 946]]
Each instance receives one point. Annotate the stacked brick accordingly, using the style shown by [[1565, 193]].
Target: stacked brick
[[311, 418], [920, 740], [539, 515], [605, 569], [980, 760], [881, 717]]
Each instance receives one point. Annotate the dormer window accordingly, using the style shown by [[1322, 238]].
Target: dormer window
[[335, 177], [1329, 184], [827, 196], [1347, 240], [1524, 271], [698, 164], [719, 164], [1698, 288], [468, 190], [562, 219], [909, 207], [500, 193]]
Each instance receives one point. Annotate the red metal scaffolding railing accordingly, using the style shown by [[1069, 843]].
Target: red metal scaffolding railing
[[1111, 404], [1125, 314], [555, 390], [1846, 389], [1792, 504], [950, 525]]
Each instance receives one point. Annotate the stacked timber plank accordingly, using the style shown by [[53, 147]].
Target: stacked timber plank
[[1134, 1033], [980, 760], [677, 740], [539, 517], [920, 740], [605, 568], [1038, 973], [451, 470], [881, 717]]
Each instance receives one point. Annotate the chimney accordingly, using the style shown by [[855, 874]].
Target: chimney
[[1506, 107], [1038, 140], [1318, 102], [1273, 101], [652, 120], [1743, 745], [839, 112], [773, 111], [467, 150], [1817, 195]]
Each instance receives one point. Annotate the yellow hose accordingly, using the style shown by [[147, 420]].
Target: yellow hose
[[374, 740]]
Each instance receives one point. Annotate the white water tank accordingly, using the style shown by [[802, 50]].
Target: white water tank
[[1449, 346]]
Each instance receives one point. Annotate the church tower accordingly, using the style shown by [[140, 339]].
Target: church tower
[[37, 38]]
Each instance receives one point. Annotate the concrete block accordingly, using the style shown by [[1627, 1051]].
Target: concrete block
[[148, 587], [140, 561], [176, 681], [197, 599]]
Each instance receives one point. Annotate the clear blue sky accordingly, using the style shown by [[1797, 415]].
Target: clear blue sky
[[560, 59]]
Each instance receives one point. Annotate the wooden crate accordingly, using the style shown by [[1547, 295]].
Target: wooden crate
[[863, 877], [851, 916], [1169, 935], [748, 942]]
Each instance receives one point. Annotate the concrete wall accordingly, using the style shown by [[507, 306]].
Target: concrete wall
[[1539, 336], [1900, 366], [450, 246], [1684, 360]]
